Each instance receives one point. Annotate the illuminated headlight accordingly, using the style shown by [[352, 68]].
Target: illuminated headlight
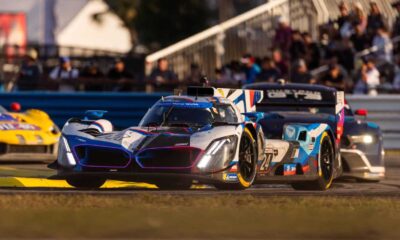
[[367, 139], [221, 151]]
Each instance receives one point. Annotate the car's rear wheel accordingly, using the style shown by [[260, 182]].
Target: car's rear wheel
[[86, 182], [247, 166], [325, 172], [174, 185]]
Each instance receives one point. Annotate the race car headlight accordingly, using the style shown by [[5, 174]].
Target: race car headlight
[[220, 151], [366, 139]]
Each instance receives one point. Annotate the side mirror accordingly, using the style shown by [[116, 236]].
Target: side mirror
[[361, 112], [15, 107], [254, 116]]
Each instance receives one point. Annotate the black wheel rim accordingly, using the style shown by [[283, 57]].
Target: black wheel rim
[[326, 160], [246, 159]]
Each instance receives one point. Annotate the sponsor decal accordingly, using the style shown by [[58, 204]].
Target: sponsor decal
[[230, 177], [297, 94], [289, 169], [18, 126]]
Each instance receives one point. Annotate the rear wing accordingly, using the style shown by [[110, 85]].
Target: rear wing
[[245, 100]]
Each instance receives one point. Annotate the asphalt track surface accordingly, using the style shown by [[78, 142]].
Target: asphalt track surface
[[31, 177]]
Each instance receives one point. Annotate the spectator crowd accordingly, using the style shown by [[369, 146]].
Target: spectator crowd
[[354, 53], [339, 58]]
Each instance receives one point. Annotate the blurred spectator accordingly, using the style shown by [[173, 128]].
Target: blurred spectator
[[360, 40], [30, 73], [122, 78], [283, 35], [359, 19], [251, 68], [334, 78], [92, 77], [345, 54], [280, 63], [375, 19], [384, 44], [162, 74], [238, 76], [195, 74], [396, 24], [345, 21], [66, 75], [396, 81], [301, 74], [297, 47], [370, 79], [313, 52], [269, 72], [344, 16]]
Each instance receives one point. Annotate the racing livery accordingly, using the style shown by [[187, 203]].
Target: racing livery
[[30, 135], [311, 120], [210, 136], [362, 148]]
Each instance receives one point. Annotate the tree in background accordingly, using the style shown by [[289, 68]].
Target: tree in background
[[126, 10], [158, 23]]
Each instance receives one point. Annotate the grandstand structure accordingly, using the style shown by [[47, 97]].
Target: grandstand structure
[[251, 32]]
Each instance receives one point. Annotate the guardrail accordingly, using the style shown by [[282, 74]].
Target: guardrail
[[126, 109]]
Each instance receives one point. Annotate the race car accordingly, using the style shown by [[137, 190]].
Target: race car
[[314, 116], [362, 148], [27, 136], [208, 136]]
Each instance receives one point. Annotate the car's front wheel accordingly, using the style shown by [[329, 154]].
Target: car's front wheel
[[247, 165], [86, 182], [325, 170]]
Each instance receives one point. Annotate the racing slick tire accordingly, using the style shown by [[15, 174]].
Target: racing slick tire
[[325, 169], [86, 182], [247, 166], [174, 185]]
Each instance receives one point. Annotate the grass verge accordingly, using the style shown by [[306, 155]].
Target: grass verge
[[178, 216]]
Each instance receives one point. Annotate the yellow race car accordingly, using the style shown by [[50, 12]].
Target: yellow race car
[[27, 136]]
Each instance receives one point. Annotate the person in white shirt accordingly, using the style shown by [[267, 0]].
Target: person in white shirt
[[370, 79], [65, 75]]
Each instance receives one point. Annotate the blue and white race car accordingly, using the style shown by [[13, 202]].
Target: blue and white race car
[[208, 136]]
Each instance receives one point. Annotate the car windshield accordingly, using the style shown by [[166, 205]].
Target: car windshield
[[179, 115]]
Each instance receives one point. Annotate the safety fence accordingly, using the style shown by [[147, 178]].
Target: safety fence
[[251, 32], [126, 109]]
